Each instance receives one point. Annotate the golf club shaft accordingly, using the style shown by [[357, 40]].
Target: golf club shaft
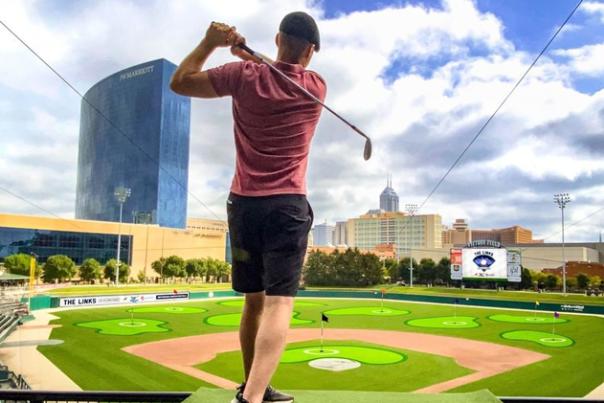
[[304, 90]]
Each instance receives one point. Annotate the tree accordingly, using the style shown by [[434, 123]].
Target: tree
[[223, 270], [212, 269], [442, 271], [595, 281], [392, 269], [426, 271], [58, 268], [318, 269], [582, 281], [539, 280], [404, 266], [526, 279], [158, 266], [90, 270], [174, 267], [110, 271], [195, 268], [551, 282], [351, 268], [19, 263], [372, 269]]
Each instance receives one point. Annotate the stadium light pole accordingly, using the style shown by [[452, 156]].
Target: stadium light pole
[[121, 195], [411, 210], [562, 199]]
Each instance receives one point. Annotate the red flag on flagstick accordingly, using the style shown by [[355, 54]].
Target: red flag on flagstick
[[174, 291]]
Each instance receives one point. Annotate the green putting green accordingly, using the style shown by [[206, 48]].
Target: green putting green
[[537, 320], [125, 326], [167, 309], [233, 319], [367, 311], [543, 338], [445, 322], [365, 355], [417, 370], [238, 303]]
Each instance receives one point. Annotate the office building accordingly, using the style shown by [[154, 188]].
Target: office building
[[134, 132], [458, 234], [141, 244], [389, 198], [322, 234], [506, 236], [406, 232], [339, 234]]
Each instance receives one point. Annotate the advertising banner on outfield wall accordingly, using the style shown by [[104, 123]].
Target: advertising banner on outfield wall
[[122, 299], [514, 266], [456, 273]]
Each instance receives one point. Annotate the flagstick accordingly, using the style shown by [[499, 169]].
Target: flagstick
[[382, 308], [455, 309], [131, 317], [321, 336], [535, 310]]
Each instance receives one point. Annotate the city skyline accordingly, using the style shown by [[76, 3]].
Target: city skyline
[[420, 104]]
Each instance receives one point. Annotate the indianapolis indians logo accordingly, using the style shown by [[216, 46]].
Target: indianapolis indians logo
[[484, 260]]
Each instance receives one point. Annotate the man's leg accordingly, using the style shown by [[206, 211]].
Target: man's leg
[[270, 341], [250, 322]]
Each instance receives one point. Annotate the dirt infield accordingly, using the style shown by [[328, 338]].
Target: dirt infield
[[486, 359]]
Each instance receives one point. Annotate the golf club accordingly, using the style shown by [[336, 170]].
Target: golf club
[[368, 148]]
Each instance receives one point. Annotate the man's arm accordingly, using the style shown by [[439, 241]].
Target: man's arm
[[188, 79]]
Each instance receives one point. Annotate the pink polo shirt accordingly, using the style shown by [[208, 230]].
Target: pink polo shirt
[[274, 125]]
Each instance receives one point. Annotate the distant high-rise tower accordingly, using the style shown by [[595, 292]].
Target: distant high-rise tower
[[389, 198], [323, 234], [134, 132]]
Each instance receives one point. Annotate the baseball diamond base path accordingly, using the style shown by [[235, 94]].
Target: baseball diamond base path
[[486, 359]]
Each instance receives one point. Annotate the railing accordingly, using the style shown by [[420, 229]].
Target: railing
[[39, 396]]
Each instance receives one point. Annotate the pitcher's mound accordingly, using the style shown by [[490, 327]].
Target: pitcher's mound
[[334, 364]]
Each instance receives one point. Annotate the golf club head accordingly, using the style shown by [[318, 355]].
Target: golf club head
[[367, 151]]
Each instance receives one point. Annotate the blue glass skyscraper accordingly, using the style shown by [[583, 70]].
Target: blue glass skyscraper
[[134, 132]]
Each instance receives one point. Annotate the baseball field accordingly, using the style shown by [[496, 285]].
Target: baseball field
[[367, 346]]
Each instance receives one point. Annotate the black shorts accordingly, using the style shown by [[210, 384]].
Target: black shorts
[[269, 236]]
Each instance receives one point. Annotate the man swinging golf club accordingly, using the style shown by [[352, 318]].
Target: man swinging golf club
[[268, 214]]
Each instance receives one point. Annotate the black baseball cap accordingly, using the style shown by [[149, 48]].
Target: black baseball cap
[[301, 25]]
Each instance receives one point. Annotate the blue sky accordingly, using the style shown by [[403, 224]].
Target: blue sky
[[529, 24], [419, 76]]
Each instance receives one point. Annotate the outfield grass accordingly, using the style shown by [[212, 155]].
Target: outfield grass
[[95, 361], [524, 296], [88, 290]]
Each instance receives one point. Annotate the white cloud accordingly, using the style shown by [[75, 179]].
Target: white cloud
[[539, 159], [585, 60], [594, 7]]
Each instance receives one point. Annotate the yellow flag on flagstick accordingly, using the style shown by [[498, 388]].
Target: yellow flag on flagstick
[[537, 303]]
